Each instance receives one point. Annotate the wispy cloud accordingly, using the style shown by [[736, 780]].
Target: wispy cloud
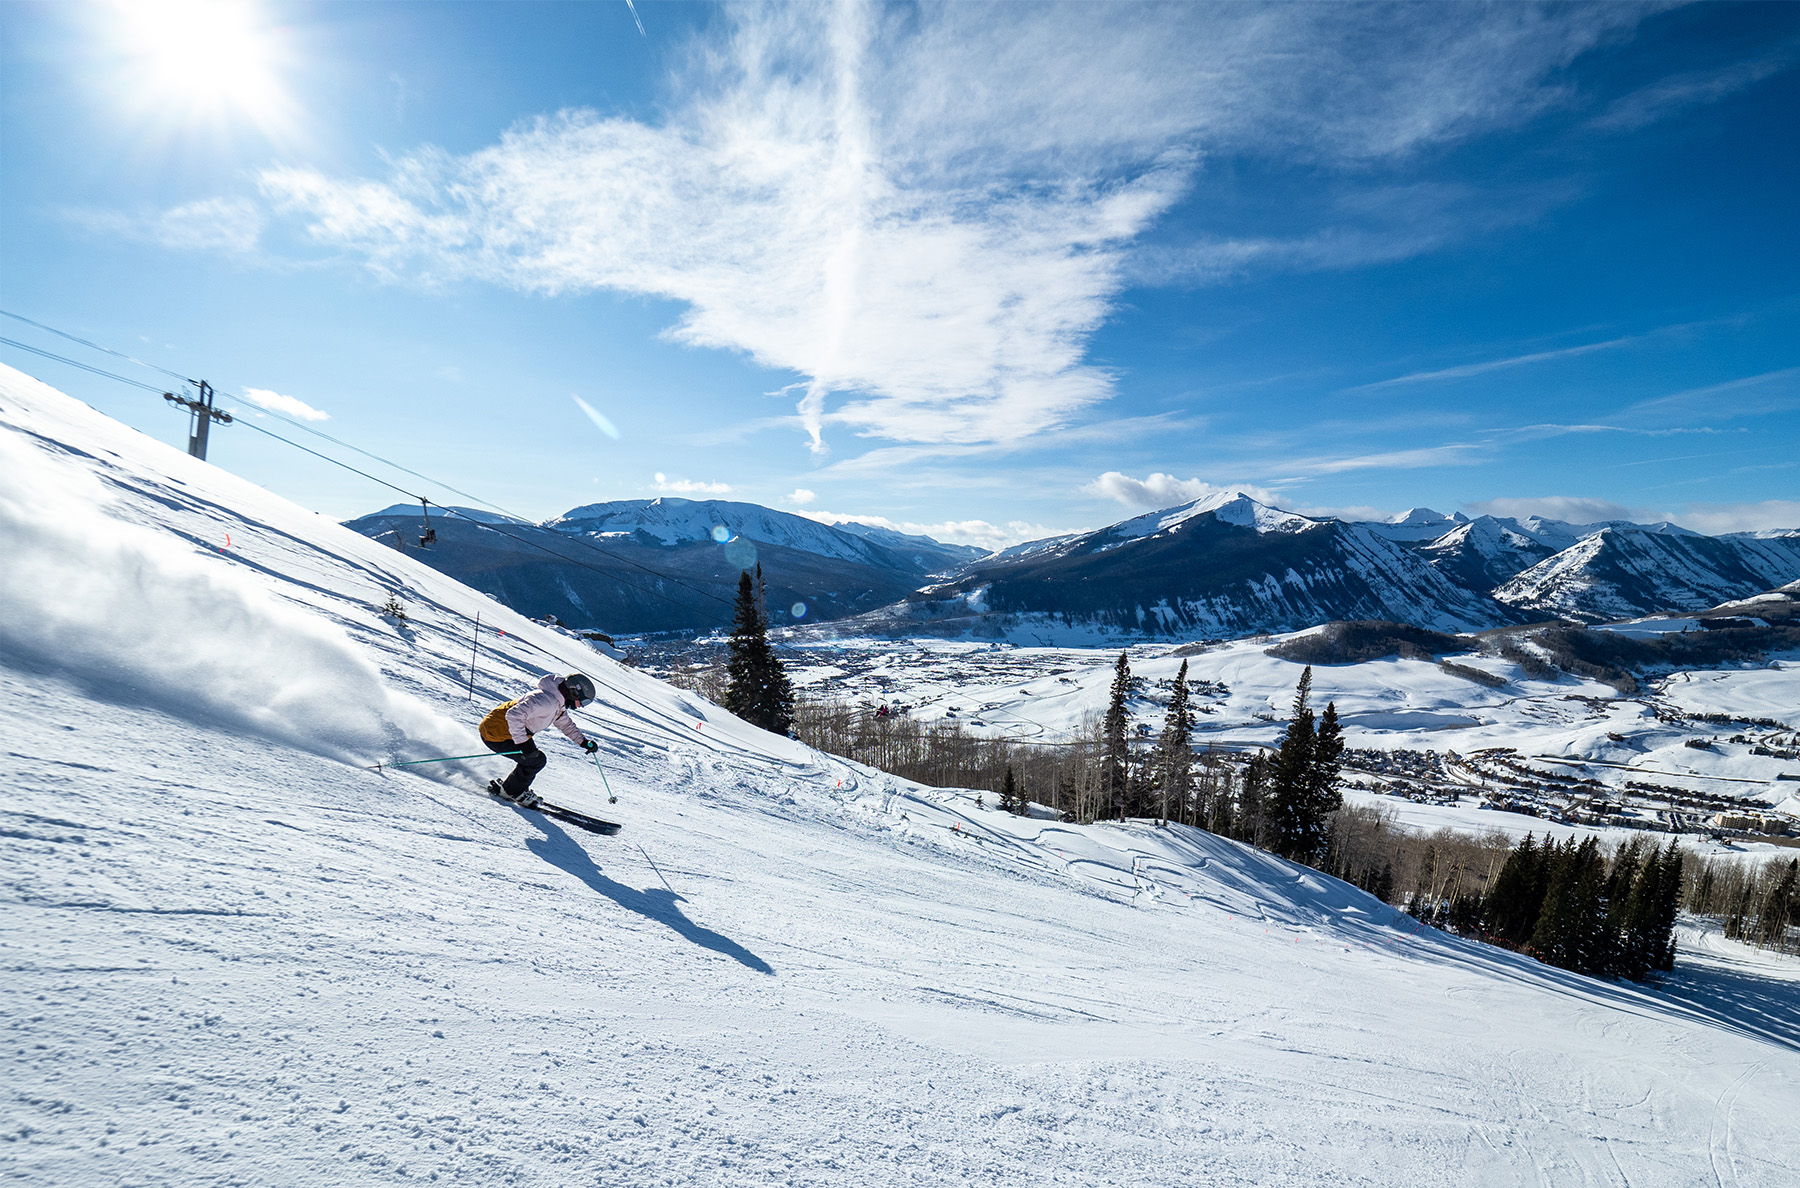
[[1468, 369], [286, 405], [1361, 227], [1750, 396], [1464, 371], [1165, 490], [927, 217], [232, 226], [1450, 454], [1668, 96], [667, 486]]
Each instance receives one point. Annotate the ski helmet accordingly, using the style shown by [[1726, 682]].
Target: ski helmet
[[579, 687]]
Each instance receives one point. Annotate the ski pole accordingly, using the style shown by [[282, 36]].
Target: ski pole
[[610, 798], [444, 759]]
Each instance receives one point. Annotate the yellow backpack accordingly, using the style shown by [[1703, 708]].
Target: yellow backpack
[[494, 727]]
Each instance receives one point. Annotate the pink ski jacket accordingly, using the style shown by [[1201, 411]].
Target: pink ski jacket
[[541, 710]]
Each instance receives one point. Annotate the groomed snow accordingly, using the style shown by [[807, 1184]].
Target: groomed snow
[[233, 955]]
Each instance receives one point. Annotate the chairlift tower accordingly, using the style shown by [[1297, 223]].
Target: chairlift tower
[[203, 414]]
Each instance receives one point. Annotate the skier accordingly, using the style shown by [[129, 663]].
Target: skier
[[508, 729]]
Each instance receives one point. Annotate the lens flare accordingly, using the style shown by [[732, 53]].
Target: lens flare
[[721, 533], [798, 610], [593, 414]]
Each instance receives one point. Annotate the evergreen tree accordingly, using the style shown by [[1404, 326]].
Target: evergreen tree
[[1572, 929], [758, 691], [1115, 765], [1303, 783], [1009, 793], [1323, 795], [1511, 910], [1174, 751], [1252, 823], [1627, 887], [1668, 906], [1382, 887], [1634, 952]]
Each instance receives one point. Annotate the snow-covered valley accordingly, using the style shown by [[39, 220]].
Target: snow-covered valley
[[235, 954]]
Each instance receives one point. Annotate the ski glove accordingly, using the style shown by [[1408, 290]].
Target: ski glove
[[590, 746], [528, 747]]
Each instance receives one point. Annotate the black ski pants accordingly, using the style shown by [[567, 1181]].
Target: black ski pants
[[530, 763]]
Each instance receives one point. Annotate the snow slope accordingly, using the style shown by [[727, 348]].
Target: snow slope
[[1620, 573], [233, 955]]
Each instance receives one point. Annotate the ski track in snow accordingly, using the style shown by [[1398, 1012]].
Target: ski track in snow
[[236, 959]]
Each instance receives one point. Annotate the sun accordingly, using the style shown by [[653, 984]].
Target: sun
[[201, 61]]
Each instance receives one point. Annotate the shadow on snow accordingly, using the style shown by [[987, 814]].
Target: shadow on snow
[[561, 851]]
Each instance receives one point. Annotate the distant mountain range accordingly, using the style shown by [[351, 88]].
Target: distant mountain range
[[1222, 566], [648, 565]]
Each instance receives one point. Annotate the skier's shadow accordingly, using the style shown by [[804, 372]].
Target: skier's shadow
[[560, 850]]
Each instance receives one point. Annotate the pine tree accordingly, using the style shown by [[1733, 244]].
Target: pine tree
[[1630, 881], [1324, 795], [1009, 793], [1303, 784], [1634, 915], [1114, 767], [758, 691], [1174, 751], [1511, 910], [1668, 906], [1571, 930]]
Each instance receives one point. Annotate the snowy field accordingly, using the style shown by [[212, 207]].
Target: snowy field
[[1243, 697], [234, 955]]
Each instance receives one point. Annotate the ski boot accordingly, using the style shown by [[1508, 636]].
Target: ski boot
[[526, 799]]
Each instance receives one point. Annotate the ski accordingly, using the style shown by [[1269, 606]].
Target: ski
[[577, 819]]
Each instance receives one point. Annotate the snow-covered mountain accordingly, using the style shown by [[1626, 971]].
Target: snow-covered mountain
[[1222, 565], [671, 522], [665, 564], [234, 953], [1622, 573], [929, 554], [1416, 525], [1484, 552]]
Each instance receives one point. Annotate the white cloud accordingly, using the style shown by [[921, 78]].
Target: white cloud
[[1750, 396], [667, 486], [233, 226], [1572, 508], [286, 405], [927, 214], [799, 495], [1165, 490], [979, 533], [1742, 517], [1468, 369], [1669, 95]]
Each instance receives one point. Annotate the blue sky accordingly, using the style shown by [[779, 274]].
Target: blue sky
[[983, 271]]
